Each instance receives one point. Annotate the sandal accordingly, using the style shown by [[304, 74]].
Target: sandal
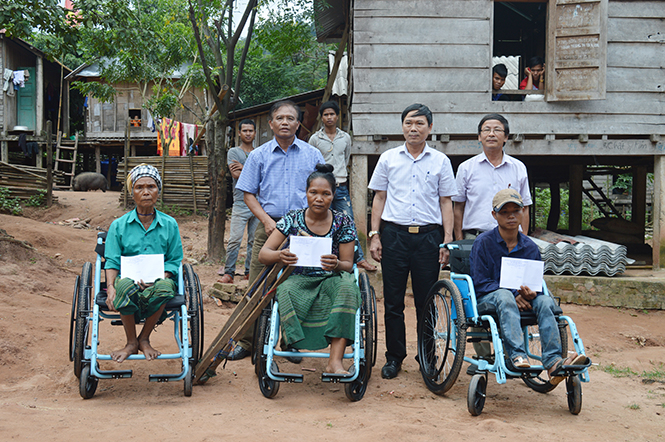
[[575, 359], [521, 362]]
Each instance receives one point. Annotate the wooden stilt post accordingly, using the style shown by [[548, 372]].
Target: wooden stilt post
[[575, 199], [658, 212], [49, 165]]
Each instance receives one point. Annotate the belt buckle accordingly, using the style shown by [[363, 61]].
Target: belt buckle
[[414, 229]]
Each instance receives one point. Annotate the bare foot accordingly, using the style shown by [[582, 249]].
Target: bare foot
[[149, 352], [121, 355], [335, 368]]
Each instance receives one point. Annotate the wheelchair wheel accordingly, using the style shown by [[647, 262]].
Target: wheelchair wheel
[[195, 310], [540, 383], [87, 383], [574, 394], [268, 387], [82, 323], [188, 382], [475, 399], [441, 337], [356, 390], [72, 318]]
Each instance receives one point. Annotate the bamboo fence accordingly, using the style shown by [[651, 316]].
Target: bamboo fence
[[178, 174], [23, 182]]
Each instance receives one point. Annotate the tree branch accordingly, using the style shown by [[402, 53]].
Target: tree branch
[[204, 63], [243, 58]]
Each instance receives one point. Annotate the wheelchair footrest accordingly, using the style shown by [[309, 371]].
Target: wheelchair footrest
[[116, 374], [335, 377], [289, 377], [163, 377]]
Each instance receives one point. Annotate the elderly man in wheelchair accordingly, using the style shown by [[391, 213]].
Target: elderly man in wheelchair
[[142, 231], [507, 241]]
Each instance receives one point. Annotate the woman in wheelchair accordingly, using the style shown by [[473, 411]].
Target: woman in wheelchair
[[317, 305], [488, 249], [142, 231]]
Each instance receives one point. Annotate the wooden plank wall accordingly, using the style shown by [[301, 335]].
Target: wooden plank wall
[[108, 120], [439, 53]]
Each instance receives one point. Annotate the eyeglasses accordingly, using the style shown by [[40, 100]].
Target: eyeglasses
[[488, 130]]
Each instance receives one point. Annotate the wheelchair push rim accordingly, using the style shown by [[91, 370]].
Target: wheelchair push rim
[[441, 337], [355, 390], [81, 327]]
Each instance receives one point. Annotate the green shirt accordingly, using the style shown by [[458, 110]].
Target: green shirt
[[128, 237]]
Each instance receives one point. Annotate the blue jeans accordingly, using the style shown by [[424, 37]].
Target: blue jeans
[[240, 216], [342, 203], [511, 330]]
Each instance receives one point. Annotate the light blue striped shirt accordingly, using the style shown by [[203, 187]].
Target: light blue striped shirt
[[278, 178]]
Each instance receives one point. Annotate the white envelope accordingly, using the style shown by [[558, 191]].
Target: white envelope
[[309, 249], [142, 267]]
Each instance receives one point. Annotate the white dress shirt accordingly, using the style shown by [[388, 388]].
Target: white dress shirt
[[477, 183], [413, 185]]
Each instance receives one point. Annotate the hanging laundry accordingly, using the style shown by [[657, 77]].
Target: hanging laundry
[[8, 75], [188, 134], [169, 135], [151, 122], [19, 79]]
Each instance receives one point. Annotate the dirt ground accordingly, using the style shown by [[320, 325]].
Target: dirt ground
[[39, 397]]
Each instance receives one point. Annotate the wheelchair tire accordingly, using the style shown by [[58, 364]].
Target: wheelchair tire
[[72, 318], [541, 383], [87, 383], [374, 326], [441, 338], [268, 387], [475, 399], [356, 390], [188, 382], [81, 327], [574, 394], [192, 296]]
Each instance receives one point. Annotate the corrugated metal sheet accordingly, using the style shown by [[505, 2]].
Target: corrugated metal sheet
[[581, 254]]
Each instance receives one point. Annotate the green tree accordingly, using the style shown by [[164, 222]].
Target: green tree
[[142, 42], [22, 18], [218, 35]]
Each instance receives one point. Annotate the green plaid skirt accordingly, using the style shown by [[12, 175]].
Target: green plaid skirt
[[315, 309], [129, 298]]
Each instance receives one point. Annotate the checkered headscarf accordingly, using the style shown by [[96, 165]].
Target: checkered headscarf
[[141, 171]]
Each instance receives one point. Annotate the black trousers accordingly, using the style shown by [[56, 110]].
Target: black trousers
[[404, 253]]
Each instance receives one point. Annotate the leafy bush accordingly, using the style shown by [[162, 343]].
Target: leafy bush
[[37, 200], [8, 204], [543, 204]]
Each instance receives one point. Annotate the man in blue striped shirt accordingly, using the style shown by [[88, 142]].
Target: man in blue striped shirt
[[274, 180]]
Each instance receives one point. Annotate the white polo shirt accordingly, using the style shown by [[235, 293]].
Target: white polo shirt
[[413, 185], [477, 183]]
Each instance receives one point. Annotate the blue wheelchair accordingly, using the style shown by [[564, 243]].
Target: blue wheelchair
[[266, 338], [89, 310], [451, 308]]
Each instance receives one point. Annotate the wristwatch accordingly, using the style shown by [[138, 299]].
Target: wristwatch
[[372, 233]]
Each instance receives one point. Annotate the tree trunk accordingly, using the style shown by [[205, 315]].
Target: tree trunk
[[216, 134]]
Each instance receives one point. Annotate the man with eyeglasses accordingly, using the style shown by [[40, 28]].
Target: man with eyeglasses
[[478, 179]]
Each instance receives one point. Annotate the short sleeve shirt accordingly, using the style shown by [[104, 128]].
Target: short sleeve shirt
[[239, 155], [413, 185], [477, 183], [342, 231], [278, 178], [128, 237]]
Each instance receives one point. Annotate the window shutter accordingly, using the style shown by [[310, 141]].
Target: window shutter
[[577, 50]]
